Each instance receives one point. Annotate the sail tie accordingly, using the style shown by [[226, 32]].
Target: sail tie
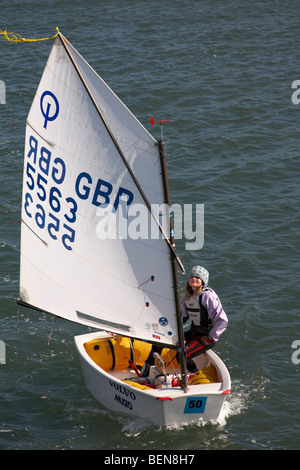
[[15, 37]]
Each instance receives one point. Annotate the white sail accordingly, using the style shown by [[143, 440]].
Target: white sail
[[72, 168]]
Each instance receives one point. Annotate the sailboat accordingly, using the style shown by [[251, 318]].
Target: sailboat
[[88, 162]]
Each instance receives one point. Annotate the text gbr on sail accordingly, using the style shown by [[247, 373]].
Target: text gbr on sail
[[102, 192]]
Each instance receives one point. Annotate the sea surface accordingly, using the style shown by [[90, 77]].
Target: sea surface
[[223, 73]]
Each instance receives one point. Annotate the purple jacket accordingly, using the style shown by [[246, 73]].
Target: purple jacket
[[215, 311]]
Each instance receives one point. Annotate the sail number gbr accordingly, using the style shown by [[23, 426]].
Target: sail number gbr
[[39, 198]]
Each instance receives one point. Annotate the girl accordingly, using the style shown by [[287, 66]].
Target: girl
[[203, 307], [208, 319]]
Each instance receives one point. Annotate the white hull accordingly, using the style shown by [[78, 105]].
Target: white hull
[[162, 406]]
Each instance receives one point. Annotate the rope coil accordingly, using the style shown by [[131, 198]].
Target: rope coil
[[15, 37]]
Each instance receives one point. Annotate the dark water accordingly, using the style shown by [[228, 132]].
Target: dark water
[[222, 72]]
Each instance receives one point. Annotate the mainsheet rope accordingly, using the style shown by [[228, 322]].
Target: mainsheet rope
[[15, 37]]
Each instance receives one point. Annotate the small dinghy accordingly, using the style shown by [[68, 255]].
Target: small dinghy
[[92, 175]]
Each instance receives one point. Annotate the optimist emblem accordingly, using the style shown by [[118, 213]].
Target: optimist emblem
[[47, 106], [163, 321]]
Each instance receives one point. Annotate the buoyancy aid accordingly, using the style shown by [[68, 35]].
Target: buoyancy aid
[[198, 314]]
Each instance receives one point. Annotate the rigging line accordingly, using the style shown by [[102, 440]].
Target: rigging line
[[15, 37], [64, 43], [130, 361]]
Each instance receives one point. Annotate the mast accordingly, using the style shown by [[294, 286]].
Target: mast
[[181, 349]]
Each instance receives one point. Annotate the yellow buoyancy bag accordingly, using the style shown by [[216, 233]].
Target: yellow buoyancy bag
[[115, 353], [204, 376]]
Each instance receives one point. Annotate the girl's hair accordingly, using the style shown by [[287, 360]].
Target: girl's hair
[[189, 291]]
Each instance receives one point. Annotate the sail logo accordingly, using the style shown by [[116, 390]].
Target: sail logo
[[163, 321], [49, 108]]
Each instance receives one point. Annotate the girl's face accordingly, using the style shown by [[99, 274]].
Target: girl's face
[[195, 282]]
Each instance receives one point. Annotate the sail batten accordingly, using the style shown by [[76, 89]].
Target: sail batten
[[75, 188]]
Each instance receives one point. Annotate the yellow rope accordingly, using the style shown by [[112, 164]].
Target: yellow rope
[[15, 37]]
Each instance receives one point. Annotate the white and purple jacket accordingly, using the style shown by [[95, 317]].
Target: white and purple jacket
[[206, 313]]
